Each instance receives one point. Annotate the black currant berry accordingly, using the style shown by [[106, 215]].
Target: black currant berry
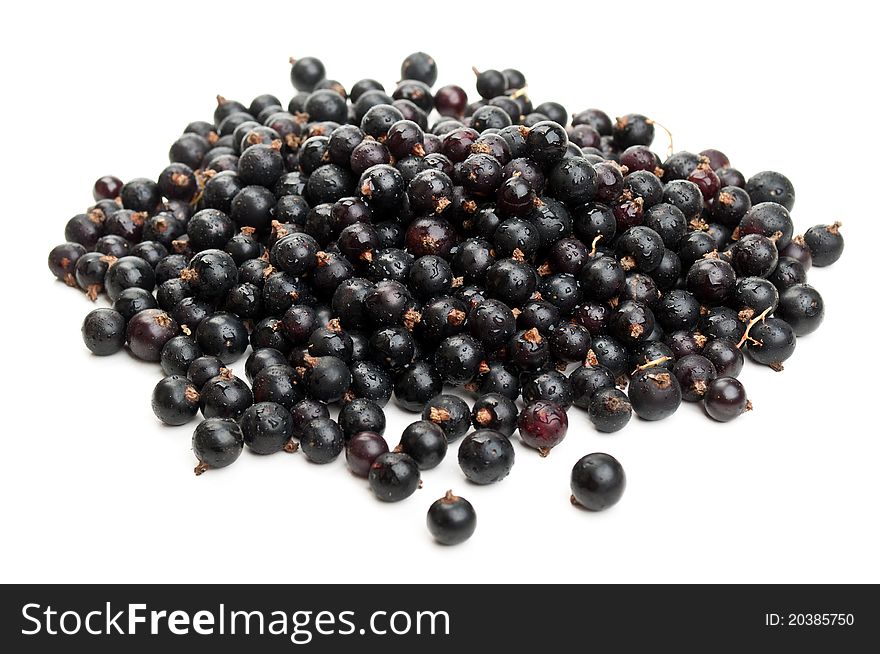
[[394, 476], [217, 443], [597, 482], [103, 331], [426, 442], [726, 399], [451, 519], [486, 456]]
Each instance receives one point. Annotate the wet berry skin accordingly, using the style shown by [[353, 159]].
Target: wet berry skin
[[725, 356], [770, 186], [597, 482], [711, 281], [486, 456], [450, 413], [825, 243], [552, 386], [103, 331], [451, 519], [802, 307], [394, 476], [495, 411], [148, 331], [223, 335], [694, 373], [361, 415], [134, 300], [328, 379], [726, 399], [609, 410], [416, 385], [654, 394], [774, 342], [586, 381], [225, 396], [362, 450], [128, 272], [267, 427], [322, 440], [217, 443], [542, 425], [425, 442], [175, 400]]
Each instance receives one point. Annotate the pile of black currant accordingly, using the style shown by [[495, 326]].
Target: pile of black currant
[[368, 245]]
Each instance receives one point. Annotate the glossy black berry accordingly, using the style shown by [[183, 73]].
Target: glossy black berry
[[322, 440], [573, 181], [771, 341], [654, 394], [450, 413], [552, 386], [223, 335], [597, 482], [631, 323], [609, 409], [217, 443], [370, 381], [361, 414], [753, 296], [419, 66], [458, 359], [802, 308], [825, 243], [128, 272], [175, 400], [768, 219], [425, 442], [306, 72], [394, 476], [416, 384], [178, 353], [263, 358], [770, 186], [546, 143], [451, 519], [140, 195], [497, 377], [103, 331], [586, 381], [225, 396], [267, 428], [328, 379], [694, 372], [725, 356], [711, 281], [570, 342], [511, 281], [486, 456], [134, 300]]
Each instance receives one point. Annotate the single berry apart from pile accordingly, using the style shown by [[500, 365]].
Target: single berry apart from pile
[[597, 482], [451, 519]]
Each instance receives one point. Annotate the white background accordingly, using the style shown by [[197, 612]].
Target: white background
[[94, 489]]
